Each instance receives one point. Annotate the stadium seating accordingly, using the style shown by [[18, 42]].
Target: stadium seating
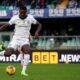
[[75, 42], [50, 43], [63, 4]]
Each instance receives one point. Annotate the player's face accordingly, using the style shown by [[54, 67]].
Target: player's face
[[22, 14]]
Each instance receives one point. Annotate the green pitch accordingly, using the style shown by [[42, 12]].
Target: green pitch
[[43, 72]]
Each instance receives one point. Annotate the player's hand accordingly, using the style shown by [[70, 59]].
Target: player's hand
[[36, 35], [8, 52], [30, 37]]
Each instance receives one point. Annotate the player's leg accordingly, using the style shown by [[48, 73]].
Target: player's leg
[[24, 63], [8, 52], [24, 50], [25, 58]]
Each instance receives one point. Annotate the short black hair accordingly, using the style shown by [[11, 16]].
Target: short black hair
[[22, 8]]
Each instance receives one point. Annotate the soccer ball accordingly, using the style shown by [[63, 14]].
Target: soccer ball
[[10, 70]]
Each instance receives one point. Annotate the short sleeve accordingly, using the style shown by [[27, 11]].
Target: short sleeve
[[12, 21], [33, 20]]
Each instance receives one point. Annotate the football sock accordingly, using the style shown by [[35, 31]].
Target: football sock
[[24, 62], [24, 67]]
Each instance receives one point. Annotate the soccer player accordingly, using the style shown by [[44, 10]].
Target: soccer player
[[23, 23]]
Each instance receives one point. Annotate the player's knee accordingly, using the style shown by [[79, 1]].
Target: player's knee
[[25, 48], [9, 51]]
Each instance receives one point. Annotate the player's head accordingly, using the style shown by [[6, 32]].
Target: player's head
[[22, 12]]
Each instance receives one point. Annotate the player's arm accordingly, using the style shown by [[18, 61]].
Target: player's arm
[[39, 26], [35, 22], [7, 25], [30, 37], [4, 27]]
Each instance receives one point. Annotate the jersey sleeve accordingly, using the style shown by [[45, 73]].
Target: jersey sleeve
[[12, 21], [33, 20]]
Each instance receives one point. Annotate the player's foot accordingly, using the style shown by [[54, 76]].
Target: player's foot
[[24, 74]]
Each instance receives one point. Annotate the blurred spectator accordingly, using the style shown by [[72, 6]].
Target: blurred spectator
[[56, 33], [44, 33], [78, 1], [5, 3], [63, 32], [58, 3], [1, 1], [38, 4], [70, 30], [11, 2], [19, 3], [51, 3], [62, 4], [8, 2], [28, 2], [41, 3], [54, 3], [72, 4], [33, 4]]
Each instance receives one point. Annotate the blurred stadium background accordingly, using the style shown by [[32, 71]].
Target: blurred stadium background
[[60, 20], [60, 32]]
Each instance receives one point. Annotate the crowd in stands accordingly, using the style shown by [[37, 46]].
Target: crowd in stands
[[42, 3], [49, 31], [61, 38]]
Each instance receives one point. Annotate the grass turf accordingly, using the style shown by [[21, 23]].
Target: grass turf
[[43, 72]]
